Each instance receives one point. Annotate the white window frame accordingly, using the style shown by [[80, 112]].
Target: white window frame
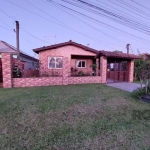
[[77, 61], [55, 62]]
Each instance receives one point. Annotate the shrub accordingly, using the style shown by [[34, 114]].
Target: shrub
[[139, 92], [80, 73]]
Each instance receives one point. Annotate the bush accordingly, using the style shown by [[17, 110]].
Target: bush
[[139, 92], [17, 72], [80, 73]]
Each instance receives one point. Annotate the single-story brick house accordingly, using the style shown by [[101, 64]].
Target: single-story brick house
[[77, 62], [72, 63]]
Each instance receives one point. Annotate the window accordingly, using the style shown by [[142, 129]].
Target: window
[[81, 64], [14, 56], [55, 62]]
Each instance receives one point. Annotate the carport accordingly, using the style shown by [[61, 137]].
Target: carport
[[120, 66]]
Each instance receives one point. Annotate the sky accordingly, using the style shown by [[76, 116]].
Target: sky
[[44, 23]]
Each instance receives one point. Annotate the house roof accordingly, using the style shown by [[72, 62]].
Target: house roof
[[117, 55], [7, 48], [98, 53], [37, 50]]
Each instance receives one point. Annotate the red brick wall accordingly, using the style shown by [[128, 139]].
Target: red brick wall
[[7, 70], [42, 81], [83, 80], [66, 68], [103, 68], [65, 51], [130, 70], [86, 70], [1, 75]]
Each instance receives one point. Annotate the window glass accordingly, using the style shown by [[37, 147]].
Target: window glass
[[58, 62], [81, 64], [55, 62]]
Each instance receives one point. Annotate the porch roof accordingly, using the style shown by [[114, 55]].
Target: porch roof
[[117, 55]]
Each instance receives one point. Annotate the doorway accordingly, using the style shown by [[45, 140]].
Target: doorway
[[117, 71]]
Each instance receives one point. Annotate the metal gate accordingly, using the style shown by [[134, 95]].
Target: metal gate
[[117, 71]]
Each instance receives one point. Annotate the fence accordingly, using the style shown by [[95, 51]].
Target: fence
[[19, 71]]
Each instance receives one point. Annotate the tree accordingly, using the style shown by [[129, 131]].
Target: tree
[[142, 71]]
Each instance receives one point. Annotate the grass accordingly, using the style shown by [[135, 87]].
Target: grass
[[74, 117]]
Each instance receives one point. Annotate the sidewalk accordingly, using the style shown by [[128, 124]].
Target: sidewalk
[[127, 86]]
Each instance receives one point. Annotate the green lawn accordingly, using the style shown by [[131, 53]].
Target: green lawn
[[74, 117]]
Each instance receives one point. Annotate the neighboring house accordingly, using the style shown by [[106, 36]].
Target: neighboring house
[[119, 66], [29, 62], [145, 56]]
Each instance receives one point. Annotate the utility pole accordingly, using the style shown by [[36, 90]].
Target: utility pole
[[127, 46], [17, 39]]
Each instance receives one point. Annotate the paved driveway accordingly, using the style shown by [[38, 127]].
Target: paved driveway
[[125, 86]]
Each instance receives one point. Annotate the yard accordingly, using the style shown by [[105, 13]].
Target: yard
[[74, 117]]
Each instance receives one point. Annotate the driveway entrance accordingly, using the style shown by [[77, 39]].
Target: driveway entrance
[[126, 86], [117, 70]]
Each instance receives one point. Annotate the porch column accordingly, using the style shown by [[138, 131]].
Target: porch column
[[103, 69], [97, 66], [130, 71], [66, 70], [7, 70]]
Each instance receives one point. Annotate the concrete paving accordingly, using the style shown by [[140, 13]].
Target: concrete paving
[[127, 86]]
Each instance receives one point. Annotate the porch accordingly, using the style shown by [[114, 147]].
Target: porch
[[84, 66]]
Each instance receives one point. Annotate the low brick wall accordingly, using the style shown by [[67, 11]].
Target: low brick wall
[[42, 81], [48, 81], [84, 80]]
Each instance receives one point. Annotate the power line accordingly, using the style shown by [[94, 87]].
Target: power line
[[87, 23], [134, 8], [101, 23], [5, 23], [66, 26], [24, 29], [6, 28], [141, 5], [110, 15]]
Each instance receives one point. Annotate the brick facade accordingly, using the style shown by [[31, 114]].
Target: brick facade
[[66, 52], [130, 70], [42, 81], [86, 70], [7, 70], [103, 68], [84, 80], [66, 68]]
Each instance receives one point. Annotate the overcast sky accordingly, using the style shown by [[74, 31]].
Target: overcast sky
[[44, 23]]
